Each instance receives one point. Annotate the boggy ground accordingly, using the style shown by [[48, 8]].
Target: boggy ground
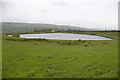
[[22, 58]]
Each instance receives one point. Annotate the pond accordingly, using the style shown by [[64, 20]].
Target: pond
[[10, 35], [63, 36]]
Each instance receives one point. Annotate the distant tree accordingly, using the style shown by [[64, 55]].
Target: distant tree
[[16, 35], [35, 30]]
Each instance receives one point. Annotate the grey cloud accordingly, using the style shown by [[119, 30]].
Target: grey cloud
[[83, 13], [59, 3]]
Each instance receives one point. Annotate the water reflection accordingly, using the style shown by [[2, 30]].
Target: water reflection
[[63, 36]]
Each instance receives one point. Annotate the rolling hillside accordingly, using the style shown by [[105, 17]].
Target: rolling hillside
[[10, 27]]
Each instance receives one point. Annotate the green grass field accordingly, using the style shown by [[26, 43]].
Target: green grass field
[[53, 59], [0, 56]]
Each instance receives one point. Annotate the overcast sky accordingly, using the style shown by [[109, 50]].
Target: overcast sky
[[98, 14]]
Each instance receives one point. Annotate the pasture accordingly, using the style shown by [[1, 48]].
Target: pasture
[[38, 58]]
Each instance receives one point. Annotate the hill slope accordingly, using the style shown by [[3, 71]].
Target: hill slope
[[10, 27]]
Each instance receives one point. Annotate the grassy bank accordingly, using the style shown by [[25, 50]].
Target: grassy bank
[[0, 56], [51, 58]]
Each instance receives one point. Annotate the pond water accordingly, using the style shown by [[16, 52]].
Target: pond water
[[63, 36], [10, 35]]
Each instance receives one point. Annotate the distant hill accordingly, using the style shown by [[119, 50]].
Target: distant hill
[[10, 27]]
